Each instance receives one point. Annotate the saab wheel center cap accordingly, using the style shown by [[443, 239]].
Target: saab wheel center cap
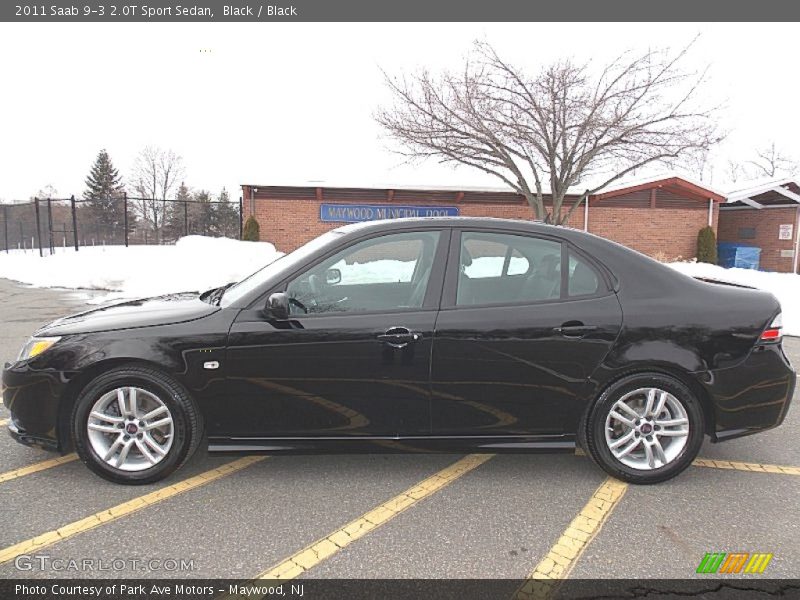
[[131, 428], [646, 428]]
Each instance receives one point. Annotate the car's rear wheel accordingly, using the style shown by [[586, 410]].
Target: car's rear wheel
[[645, 428], [135, 425]]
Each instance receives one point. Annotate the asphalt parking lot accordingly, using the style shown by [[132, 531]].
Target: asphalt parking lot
[[394, 516]]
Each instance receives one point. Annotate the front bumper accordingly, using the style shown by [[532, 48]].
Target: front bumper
[[33, 398], [753, 396]]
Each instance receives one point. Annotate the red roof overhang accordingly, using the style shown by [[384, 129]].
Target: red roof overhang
[[676, 185]]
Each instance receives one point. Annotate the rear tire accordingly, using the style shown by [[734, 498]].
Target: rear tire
[[135, 425], [645, 428]]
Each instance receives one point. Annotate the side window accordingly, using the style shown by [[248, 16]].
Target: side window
[[381, 274], [498, 268], [583, 279]]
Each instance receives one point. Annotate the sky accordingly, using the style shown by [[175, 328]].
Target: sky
[[291, 104]]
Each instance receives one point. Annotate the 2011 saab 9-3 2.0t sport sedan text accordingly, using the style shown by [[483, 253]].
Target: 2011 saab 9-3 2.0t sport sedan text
[[443, 334]]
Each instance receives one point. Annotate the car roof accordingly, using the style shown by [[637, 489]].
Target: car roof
[[382, 224]]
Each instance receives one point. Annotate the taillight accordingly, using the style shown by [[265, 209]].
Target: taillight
[[773, 332]]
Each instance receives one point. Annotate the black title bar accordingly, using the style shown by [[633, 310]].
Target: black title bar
[[399, 10]]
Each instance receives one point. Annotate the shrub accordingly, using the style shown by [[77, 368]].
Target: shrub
[[251, 231], [707, 246]]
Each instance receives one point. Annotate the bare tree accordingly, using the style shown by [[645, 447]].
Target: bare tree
[[734, 170], [558, 128], [770, 162], [48, 191], [156, 173]]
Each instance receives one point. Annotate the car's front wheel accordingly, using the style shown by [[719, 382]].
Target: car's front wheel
[[135, 425], [645, 428]]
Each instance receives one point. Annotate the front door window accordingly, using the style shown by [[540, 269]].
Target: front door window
[[382, 274]]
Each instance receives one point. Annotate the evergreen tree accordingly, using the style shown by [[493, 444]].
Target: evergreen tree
[[225, 217], [251, 231], [707, 246], [200, 213], [174, 222], [104, 190]]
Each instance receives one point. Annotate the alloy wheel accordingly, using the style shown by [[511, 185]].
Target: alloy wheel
[[130, 429], [647, 428]]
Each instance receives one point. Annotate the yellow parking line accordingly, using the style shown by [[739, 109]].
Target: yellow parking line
[[746, 466], [120, 510], [35, 468], [335, 541], [3, 422], [559, 561], [735, 465]]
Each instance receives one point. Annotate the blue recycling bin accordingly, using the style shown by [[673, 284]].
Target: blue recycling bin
[[742, 256]]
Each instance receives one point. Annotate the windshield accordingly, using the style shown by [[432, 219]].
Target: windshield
[[284, 263]]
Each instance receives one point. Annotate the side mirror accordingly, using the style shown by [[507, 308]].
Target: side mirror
[[333, 276], [277, 307]]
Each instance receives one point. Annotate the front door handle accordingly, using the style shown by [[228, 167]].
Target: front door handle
[[399, 337], [574, 329]]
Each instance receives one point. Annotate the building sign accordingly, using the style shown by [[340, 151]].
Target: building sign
[[355, 213], [785, 231]]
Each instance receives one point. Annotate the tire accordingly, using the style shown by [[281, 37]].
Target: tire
[[653, 448], [155, 447]]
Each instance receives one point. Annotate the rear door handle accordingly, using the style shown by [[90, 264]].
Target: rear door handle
[[574, 329], [399, 337]]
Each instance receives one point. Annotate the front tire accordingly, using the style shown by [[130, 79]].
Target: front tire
[[135, 425], [645, 428]]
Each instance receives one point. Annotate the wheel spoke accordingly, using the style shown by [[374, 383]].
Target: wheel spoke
[[96, 414], [673, 422], [103, 428], [145, 452], [112, 450], [154, 413], [662, 400], [132, 400], [651, 398], [121, 402], [157, 424], [621, 419], [676, 433], [648, 452], [627, 409], [623, 440], [659, 450], [628, 449], [123, 454], [148, 439]]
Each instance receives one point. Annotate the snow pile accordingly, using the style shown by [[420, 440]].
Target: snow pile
[[784, 286], [376, 271], [194, 263]]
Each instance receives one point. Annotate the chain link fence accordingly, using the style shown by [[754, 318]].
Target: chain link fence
[[42, 225]]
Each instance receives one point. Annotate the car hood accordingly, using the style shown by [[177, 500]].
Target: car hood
[[145, 312]]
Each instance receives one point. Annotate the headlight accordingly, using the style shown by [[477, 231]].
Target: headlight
[[35, 346]]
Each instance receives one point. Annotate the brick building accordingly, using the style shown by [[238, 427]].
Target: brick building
[[766, 216], [659, 217]]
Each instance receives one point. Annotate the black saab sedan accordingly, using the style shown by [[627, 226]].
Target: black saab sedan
[[442, 334]]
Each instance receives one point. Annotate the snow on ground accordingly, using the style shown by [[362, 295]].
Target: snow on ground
[[194, 263], [784, 286]]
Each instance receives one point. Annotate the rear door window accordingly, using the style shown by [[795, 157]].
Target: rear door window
[[498, 268]]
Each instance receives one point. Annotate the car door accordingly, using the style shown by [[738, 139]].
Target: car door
[[518, 336], [354, 358]]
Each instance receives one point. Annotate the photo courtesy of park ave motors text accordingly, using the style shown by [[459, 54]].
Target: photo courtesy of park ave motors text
[[323, 309]]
